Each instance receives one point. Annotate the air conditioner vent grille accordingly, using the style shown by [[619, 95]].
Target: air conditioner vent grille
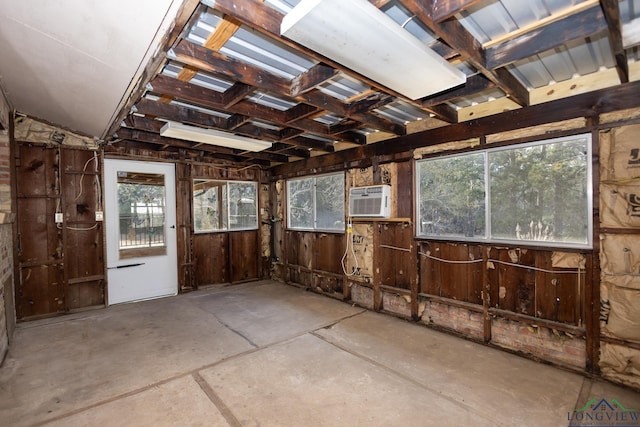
[[373, 201]]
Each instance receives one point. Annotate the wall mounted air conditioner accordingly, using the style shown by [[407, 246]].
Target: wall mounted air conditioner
[[372, 202]]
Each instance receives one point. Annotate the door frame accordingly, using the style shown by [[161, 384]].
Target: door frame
[[118, 271]]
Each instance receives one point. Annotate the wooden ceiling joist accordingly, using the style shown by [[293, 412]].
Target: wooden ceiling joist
[[611, 11], [315, 76], [197, 56], [223, 32], [579, 26], [456, 36], [439, 10], [475, 84]]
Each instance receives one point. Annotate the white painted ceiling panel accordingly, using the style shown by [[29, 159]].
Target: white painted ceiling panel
[[70, 61]]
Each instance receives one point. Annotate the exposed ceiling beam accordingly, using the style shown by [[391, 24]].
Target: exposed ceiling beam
[[180, 114], [475, 84], [143, 129], [216, 63], [185, 13], [267, 20], [445, 9], [622, 97], [212, 99], [236, 93], [579, 26], [223, 32], [611, 11], [456, 36], [315, 76]]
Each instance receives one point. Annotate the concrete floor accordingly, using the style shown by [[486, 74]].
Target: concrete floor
[[268, 354]]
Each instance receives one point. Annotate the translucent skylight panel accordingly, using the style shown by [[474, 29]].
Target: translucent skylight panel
[[406, 19], [265, 53], [559, 64], [201, 109], [487, 22], [532, 73], [271, 101], [209, 82], [328, 119]]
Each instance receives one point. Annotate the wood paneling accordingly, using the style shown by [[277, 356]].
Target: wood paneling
[[244, 249], [60, 266], [211, 257]]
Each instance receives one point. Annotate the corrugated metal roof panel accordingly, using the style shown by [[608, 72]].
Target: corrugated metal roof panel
[[343, 87], [401, 112], [271, 101]]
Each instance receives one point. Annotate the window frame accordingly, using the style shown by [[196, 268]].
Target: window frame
[[488, 238], [315, 228], [228, 228]]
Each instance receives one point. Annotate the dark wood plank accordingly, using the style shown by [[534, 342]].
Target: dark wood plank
[[445, 9], [611, 11], [475, 84], [241, 244], [210, 252], [236, 93], [315, 76], [585, 105], [579, 26]]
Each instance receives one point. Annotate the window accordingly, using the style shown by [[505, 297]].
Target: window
[[316, 203], [141, 210], [537, 192], [224, 205]]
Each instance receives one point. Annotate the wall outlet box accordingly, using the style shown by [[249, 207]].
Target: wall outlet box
[[59, 217], [99, 216]]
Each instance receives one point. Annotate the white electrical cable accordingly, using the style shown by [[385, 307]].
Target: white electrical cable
[[346, 251]]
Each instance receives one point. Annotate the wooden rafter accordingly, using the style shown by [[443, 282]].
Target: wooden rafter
[[578, 26], [611, 11], [216, 63], [223, 32], [456, 36], [445, 9], [312, 78], [475, 84]]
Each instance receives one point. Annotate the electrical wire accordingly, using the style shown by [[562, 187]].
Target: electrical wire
[[346, 251], [84, 170]]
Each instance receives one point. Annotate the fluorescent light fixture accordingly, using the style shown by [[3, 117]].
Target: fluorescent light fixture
[[361, 37], [213, 137]]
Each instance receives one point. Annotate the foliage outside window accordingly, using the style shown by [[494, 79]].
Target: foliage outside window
[[537, 192], [224, 205], [316, 203]]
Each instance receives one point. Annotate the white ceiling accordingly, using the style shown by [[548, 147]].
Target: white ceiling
[[71, 62]]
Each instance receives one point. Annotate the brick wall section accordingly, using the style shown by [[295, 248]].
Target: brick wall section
[[544, 343], [396, 304], [457, 319], [362, 296]]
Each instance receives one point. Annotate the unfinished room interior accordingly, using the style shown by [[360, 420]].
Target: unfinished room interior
[[320, 212]]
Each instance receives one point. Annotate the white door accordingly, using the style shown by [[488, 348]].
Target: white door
[[140, 218]]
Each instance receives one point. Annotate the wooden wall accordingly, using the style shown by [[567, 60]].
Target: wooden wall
[[228, 257], [60, 267]]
